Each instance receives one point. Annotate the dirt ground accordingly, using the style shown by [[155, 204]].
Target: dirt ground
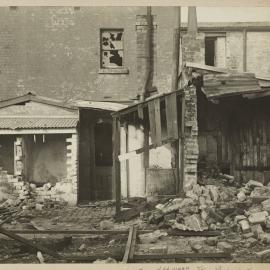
[[101, 218]]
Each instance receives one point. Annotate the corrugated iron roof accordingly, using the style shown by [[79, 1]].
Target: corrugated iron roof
[[221, 85], [37, 123]]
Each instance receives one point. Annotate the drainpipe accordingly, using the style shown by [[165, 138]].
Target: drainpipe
[[148, 54], [176, 49]]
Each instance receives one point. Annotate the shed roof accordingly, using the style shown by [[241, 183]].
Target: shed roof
[[229, 84], [37, 123], [222, 82]]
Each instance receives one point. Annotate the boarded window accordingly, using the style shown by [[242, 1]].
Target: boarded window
[[111, 48]]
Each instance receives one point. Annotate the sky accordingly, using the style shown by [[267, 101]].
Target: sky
[[229, 14]]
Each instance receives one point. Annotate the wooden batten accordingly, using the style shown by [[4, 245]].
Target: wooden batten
[[116, 163]]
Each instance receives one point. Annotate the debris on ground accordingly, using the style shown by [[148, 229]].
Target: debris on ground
[[152, 237], [222, 213], [108, 260]]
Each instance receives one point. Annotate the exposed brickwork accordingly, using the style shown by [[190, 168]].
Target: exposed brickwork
[[193, 48], [13, 187], [191, 137], [65, 190]]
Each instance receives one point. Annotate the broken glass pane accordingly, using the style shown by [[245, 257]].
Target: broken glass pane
[[112, 48], [112, 40], [112, 59]]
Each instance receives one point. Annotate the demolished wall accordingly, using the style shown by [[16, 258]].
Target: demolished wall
[[19, 188]]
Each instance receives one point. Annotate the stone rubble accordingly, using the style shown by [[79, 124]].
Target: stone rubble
[[241, 209]]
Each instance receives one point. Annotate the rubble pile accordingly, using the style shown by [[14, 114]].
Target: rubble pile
[[218, 207], [37, 198], [9, 210]]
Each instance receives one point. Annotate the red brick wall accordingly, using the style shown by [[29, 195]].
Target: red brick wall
[[55, 51]]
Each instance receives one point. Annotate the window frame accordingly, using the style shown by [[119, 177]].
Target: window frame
[[113, 70]]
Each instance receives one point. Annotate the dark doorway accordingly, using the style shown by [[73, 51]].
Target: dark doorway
[[210, 51], [102, 185], [95, 156]]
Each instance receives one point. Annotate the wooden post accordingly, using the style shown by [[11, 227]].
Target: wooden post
[[116, 163], [182, 148]]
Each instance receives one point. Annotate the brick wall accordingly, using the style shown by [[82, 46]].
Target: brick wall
[[191, 149], [193, 48], [258, 53], [220, 60], [54, 51], [234, 50]]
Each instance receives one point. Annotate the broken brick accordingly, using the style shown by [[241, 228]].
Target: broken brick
[[239, 218], [194, 222], [265, 238], [267, 222], [258, 217], [257, 230], [248, 235], [159, 249], [241, 196], [244, 225], [225, 246], [250, 242], [152, 237], [253, 184], [213, 191], [266, 205], [211, 241]]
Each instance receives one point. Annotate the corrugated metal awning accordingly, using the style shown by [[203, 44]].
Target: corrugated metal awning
[[221, 85], [37, 123]]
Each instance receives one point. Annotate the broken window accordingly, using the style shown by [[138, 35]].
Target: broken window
[[112, 48]]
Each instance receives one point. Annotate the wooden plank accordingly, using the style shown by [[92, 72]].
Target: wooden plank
[[151, 111], [146, 146], [140, 112], [116, 164], [173, 104], [76, 232], [130, 246], [168, 117], [219, 147], [28, 243], [140, 257], [182, 147], [176, 232], [141, 150], [157, 121]]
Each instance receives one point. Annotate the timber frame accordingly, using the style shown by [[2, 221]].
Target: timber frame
[[169, 106]]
